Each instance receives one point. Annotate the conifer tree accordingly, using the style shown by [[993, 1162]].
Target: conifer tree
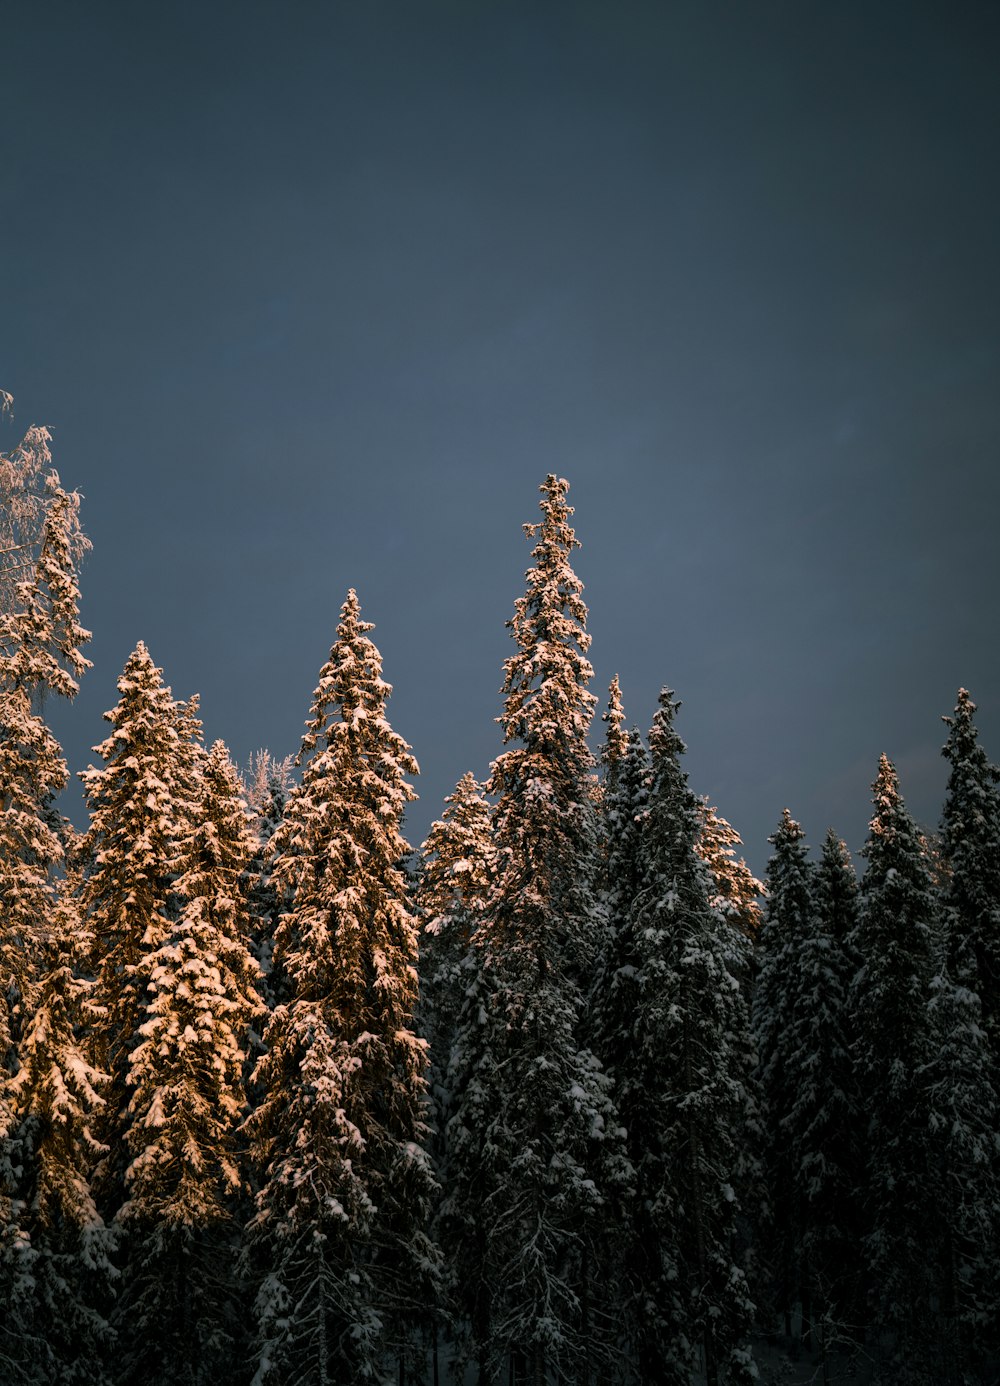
[[685, 1096], [345, 1266], [57, 1096], [41, 639], [737, 889], [266, 792], [142, 810], [894, 939], [187, 1099], [534, 1137], [456, 863], [457, 860], [965, 1071], [788, 923], [616, 738], [821, 1124], [970, 848], [831, 1149]]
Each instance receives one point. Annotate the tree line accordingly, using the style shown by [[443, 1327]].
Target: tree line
[[564, 1096]]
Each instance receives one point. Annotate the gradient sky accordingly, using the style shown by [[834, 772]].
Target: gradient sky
[[314, 295]]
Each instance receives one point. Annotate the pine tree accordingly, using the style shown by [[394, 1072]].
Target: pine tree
[[970, 848], [266, 792], [534, 1138], [187, 1100], [457, 860], [345, 1266], [894, 939], [616, 740], [833, 1164], [142, 809], [965, 1072], [41, 639], [821, 1124], [788, 923], [456, 865], [737, 889], [57, 1096], [685, 1096], [41, 547]]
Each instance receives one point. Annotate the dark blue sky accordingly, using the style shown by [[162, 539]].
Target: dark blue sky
[[314, 295]]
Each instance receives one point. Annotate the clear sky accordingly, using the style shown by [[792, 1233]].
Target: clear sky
[[313, 295]]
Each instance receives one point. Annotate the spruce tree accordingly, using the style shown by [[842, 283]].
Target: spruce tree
[[970, 849], [41, 639], [456, 868], [833, 1154], [338, 1241], [894, 940], [685, 1096], [965, 1072], [143, 808], [57, 1096], [821, 1123], [187, 1100], [266, 791], [737, 889], [534, 1137], [788, 923]]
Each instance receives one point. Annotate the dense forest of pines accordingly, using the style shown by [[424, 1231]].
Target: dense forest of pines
[[565, 1096]]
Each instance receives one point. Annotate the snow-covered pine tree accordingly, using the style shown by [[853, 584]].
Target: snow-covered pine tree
[[57, 1096], [616, 738], [266, 790], [686, 1098], [625, 803], [187, 1100], [788, 923], [456, 867], [821, 1124], [888, 1002], [965, 1071], [534, 1139], [834, 1169], [345, 1266], [41, 639], [970, 849], [737, 889], [142, 806]]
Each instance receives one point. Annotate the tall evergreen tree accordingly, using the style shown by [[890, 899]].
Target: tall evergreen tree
[[57, 1096], [456, 866], [829, 1114], [456, 869], [970, 848], [346, 1268], [737, 889], [41, 640], [685, 1096], [965, 1072], [535, 1137], [894, 939], [266, 790], [143, 807], [788, 923], [187, 1099]]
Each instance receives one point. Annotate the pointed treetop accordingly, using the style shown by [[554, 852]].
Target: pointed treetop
[[787, 830], [663, 739], [616, 741], [547, 703]]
